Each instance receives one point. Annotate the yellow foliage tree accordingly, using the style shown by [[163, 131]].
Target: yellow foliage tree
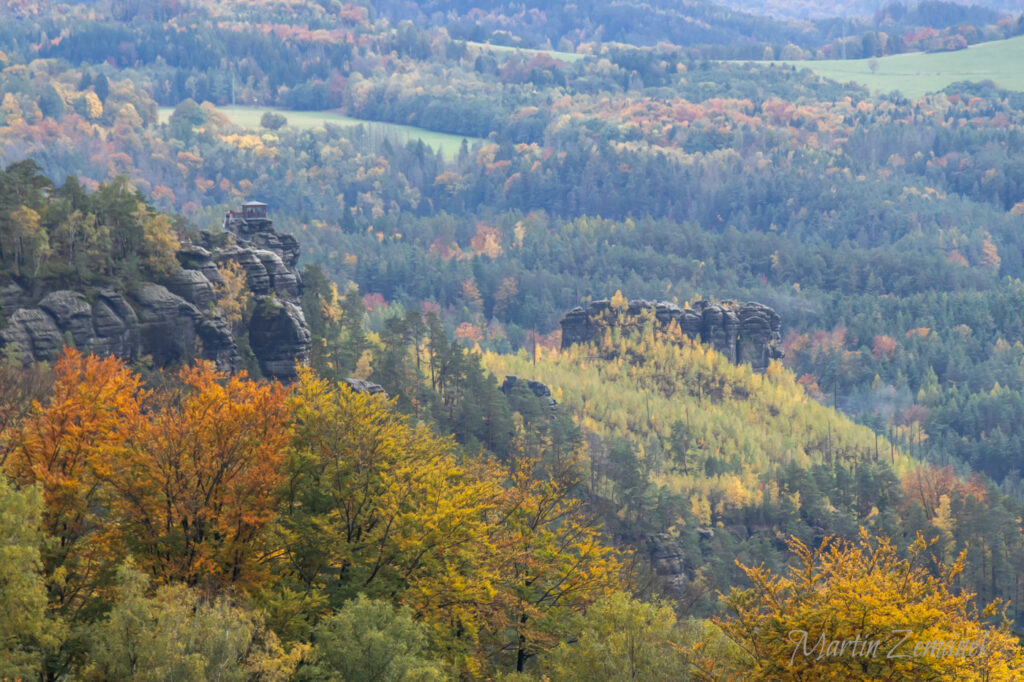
[[548, 563], [377, 506], [93, 106], [859, 611], [160, 243], [233, 296]]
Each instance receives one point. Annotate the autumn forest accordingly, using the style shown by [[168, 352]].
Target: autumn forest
[[347, 441]]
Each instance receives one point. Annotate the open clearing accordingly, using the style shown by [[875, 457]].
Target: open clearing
[[249, 117], [509, 51], [918, 73]]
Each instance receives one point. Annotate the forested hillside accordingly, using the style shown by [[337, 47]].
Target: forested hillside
[[936, 10], [468, 524]]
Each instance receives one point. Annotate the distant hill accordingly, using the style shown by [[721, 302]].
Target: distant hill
[[810, 9], [538, 24]]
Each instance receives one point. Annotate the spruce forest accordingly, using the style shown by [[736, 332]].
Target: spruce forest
[[415, 341]]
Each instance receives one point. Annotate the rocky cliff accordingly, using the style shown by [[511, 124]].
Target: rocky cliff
[[743, 332], [175, 319]]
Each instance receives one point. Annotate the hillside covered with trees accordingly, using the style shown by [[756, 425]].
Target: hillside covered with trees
[[665, 512]]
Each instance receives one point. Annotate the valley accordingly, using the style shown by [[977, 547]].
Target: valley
[[511, 341]]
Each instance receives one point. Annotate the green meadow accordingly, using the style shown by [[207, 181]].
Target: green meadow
[[249, 117], [917, 74], [508, 51]]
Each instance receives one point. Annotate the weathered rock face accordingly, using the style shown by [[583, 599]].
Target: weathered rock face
[[218, 344], [191, 285], [744, 333], [173, 330], [72, 315], [282, 280], [265, 271], [160, 324], [537, 388], [193, 257], [578, 325], [668, 559], [279, 337], [12, 297], [719, 328], [758, 336], [278, 333], [364, 386], [175, 320], [255, 272], [284, 245], [35, 333], [116, 326]]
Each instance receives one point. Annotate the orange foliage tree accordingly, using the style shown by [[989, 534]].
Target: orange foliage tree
[[196, 486], [67, 445], [182, 478]]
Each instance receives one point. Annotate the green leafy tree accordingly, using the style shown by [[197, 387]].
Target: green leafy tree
[[179, 635], [621, 639], [369, 640], [26, 630], [273, 121]]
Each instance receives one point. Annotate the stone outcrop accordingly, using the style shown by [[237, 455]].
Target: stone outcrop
[[364, 386], [72, 315], [116, 326], [279, 337], [35, 333], [744, 333], [285, 245], [758, 336], [192, 285], [283, 281], [195, 257], [537, 388], [169, 327], [12, 297], [175, 319]]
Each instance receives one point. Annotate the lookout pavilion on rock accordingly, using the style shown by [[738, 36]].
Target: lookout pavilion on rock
[[252, 218], [254, 210]]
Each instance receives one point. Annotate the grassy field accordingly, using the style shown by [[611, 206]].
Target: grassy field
[[249, 117], [918, 73], [506, 51]]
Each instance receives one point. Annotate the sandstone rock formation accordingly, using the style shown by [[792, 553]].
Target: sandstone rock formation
[[759, 335], [537, 388], [193, 286], [175, 319], [744, 333], [364, 386], [279, 337]]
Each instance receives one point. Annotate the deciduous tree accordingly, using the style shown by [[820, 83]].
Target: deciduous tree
[[194, 490], [861, 611]]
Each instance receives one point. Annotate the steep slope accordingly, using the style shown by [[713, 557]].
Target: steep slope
[[704, 428], [698, 463]]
